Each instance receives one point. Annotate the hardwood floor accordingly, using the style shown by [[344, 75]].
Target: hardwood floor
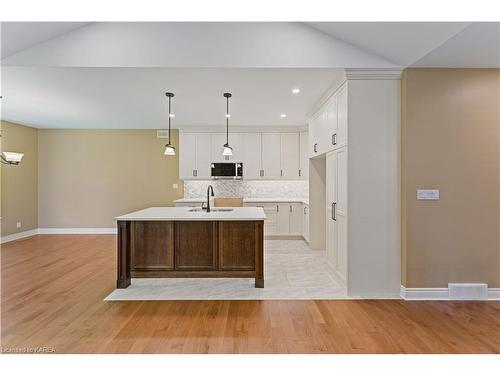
[[53, 288]]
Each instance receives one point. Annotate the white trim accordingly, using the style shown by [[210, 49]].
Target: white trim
[[439, 294], [77, 231], [17, 236], [370, 74], [493, 294], [243, 129]]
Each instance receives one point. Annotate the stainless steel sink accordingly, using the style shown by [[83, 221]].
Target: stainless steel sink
[[198, 209]]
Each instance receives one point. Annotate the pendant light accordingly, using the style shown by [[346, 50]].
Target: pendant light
[[227, 150], [9, 157], [169, 149]]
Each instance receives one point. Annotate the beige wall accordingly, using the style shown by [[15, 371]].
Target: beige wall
[[451, 141], [88, 177], [19, 182]]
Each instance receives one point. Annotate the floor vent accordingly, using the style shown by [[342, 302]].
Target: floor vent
[[468, 291], [162, 133]]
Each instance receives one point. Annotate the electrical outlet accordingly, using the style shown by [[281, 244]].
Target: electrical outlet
[[18, 224], [175, 186]]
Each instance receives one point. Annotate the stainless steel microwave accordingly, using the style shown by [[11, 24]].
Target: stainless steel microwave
[[227, 170]]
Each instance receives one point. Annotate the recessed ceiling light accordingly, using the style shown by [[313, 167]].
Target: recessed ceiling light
[[295, 91], [228, 115], [283, 115]]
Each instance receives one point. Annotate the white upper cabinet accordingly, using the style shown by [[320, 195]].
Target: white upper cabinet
[[328, 126], [252, 167], [203, 155], [265, 156], [271, 155], [314, 135], [187, 155], [342, 117], [194, 152], [304, 156], [218, 140], [290, 155], [330, 130], [235, 141]]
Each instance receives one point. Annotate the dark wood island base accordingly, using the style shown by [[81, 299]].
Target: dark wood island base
[[166, 249]]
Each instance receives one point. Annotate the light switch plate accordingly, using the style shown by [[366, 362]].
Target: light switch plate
[[427, 194]]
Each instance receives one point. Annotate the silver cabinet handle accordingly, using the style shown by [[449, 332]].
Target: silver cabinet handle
[[315, 147], [290, 208], [277, 208], [281, 173], [300, 173], [334, 211], [334, 139]]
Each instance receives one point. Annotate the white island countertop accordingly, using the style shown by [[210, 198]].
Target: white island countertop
[[249, 200], [186, 214]]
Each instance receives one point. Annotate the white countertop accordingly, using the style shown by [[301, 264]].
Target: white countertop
[[250, 200], [183, 214]]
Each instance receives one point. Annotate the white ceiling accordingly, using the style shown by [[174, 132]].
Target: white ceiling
[[196, 44], [477, 46], [400, 42], [18, 36], [135, 97]]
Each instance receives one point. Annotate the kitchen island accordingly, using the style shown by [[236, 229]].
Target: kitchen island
[[165, 242]]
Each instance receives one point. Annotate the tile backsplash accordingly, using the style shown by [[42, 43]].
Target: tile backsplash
[[247, 189]]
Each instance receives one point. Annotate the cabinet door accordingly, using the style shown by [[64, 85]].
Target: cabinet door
[[331, 172], [341, 211], [236, 142], [330, 130], [152, 246], [196, 245], [187, 155], [218, 140], [271, 155], [203, 155], [283, 218], [305, 222], [314, 127], [303, 156], [296, 214], [342, 117], [252, 156], [237, 244], [290, 155]]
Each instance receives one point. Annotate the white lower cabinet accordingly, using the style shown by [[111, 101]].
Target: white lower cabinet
[[336, 210], [305, 222], [283, 224], [296, 219], [283, 219]]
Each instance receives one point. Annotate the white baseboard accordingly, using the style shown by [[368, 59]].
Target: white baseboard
[[438, 294], [18, 236], [77, 231], [33, 232], [493, 294]]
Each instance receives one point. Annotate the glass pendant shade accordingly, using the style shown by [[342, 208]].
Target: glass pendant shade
[[169, 150], [12, 158], [227, 150]]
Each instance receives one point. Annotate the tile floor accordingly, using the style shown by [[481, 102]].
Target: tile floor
[[291, 271]]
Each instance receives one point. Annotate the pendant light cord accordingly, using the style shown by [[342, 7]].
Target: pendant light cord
[[169, 118], [227, 120]]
